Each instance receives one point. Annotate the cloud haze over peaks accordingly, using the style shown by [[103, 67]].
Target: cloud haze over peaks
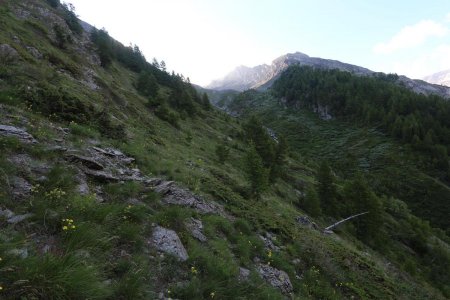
[[412, 36]]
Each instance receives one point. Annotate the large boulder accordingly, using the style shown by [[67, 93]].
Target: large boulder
[[167, 241], [276, 278]]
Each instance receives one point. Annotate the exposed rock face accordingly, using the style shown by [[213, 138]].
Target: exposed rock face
[[21, 134], [20, 188], [107, 165], [173, 194], [422, 87], [167, 241], [323, 112], [88, 162], [196, 228], [276, 278]]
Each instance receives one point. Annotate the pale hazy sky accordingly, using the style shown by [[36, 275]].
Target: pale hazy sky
[[205, 39]]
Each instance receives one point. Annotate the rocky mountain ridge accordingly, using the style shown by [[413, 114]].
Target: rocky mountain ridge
[[262, 77]]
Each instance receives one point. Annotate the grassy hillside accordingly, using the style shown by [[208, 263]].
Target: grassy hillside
[[78, 218]]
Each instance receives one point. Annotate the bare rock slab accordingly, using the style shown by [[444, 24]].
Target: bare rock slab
[[22, 135], [175, 195], [167, 241]]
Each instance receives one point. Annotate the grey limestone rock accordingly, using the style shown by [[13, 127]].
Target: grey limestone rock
[[243, 274], [20, 188], [276, 278], [19, 218], [167, 241]]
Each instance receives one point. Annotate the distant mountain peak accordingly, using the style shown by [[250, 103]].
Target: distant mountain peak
[[262, 77], [441, 78]]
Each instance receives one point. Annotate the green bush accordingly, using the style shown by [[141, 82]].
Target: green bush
[[164, 113], [57, 103]]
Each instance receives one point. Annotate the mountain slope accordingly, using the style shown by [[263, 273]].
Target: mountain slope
[[112, 187], [263, 76], [441, 78]]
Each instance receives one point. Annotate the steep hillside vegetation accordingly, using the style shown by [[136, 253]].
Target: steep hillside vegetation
[[120, 181]]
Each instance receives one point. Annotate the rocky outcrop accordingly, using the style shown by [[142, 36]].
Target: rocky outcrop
[[304, 221], [30, 167], [19, 218], [20, 134], [20, 188], [35, 52], [276, 278], [175, 195], [196, 228], [323, 112], [106, 165], [167, 241], [268, 239], [8, 54], [90, 163], [244, 274], [12, 218]]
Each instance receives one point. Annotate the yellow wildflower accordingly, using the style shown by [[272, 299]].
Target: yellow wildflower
[[194, 270], [65, 227], [212, 294]]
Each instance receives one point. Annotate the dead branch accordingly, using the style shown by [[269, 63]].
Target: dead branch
[[328, 229]]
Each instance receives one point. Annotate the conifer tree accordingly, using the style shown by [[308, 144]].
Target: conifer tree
[[327, 190], [311, 203], [256, 173]]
